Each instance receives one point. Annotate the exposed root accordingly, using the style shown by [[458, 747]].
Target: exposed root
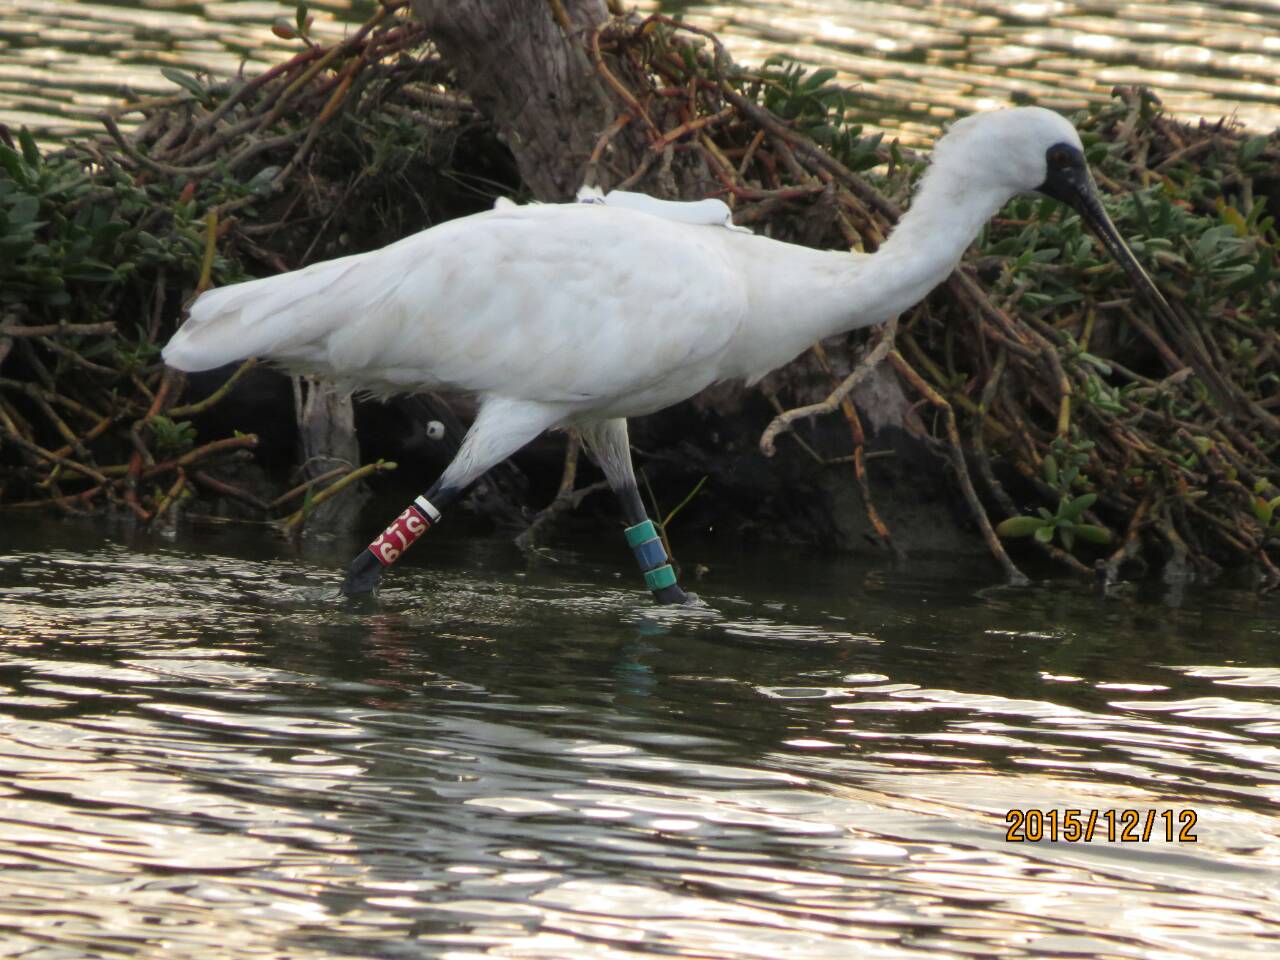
[[566, 500], [782, 423]]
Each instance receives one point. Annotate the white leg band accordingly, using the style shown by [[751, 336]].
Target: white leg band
[[430, 512]]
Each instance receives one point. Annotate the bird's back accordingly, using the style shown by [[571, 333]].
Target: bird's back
[[572, 303]]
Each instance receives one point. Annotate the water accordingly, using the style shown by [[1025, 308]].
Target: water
[[911, 64], [203, 753]]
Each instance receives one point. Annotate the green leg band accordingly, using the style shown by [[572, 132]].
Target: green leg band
[[640, 533], [664, 576]]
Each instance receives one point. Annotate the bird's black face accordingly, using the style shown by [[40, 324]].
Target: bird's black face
[[1066, 175], [1067, 180]]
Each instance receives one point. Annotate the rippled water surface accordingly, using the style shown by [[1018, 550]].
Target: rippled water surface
[[913, 63], [204, 754]]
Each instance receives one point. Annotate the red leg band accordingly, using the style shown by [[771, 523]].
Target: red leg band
[[400, 536]]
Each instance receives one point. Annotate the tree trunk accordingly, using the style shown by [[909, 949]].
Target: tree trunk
[[327, 435], [532, 77]]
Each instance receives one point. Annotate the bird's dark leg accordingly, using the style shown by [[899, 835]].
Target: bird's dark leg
[[642, 538], [501, 428], [366, 569], [611, 449]]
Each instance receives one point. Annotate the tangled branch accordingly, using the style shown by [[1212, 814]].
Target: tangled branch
[[1097, 416], [115, 232]]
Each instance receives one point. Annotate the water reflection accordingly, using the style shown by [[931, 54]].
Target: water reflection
[[63, 61], [201, 749], [911, 64]]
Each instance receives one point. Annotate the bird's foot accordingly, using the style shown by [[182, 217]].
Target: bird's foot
[[671, 595], [362, 576]]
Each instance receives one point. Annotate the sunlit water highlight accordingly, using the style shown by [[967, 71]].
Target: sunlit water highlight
[[912, 65], [203, 752]]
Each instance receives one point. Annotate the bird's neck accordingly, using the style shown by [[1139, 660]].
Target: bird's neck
[[820, 294], [948, 211]]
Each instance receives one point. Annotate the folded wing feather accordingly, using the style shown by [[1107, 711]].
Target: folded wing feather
[[553, 303]]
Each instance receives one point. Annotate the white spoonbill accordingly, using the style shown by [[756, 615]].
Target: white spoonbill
[[584, 314]]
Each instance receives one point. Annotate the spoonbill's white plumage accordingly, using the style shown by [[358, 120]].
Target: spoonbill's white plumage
[[584, 314]]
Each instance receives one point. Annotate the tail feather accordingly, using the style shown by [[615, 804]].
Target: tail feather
[[274, 317]]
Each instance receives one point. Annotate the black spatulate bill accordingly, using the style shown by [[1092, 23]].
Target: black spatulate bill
[[1068, 180]]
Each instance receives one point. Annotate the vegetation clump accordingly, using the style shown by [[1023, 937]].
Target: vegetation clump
[[1112, 441], [1106, 436], [339, 149]]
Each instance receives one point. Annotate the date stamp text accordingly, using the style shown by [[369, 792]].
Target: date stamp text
[[1085, 826]]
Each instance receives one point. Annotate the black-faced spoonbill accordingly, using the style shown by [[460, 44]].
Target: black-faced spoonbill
[[584, 314]]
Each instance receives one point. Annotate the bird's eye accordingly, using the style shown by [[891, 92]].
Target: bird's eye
[[1060, 158]]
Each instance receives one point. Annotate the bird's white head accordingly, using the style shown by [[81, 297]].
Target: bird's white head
[[987, 158], [1009, 151]]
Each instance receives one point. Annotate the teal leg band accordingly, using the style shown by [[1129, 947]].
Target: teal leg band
[[640, 533], [664, 576], [651, 555]]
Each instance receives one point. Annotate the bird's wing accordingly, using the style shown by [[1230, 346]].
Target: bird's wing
[[573, 303], [563, 303], [271, 316]]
